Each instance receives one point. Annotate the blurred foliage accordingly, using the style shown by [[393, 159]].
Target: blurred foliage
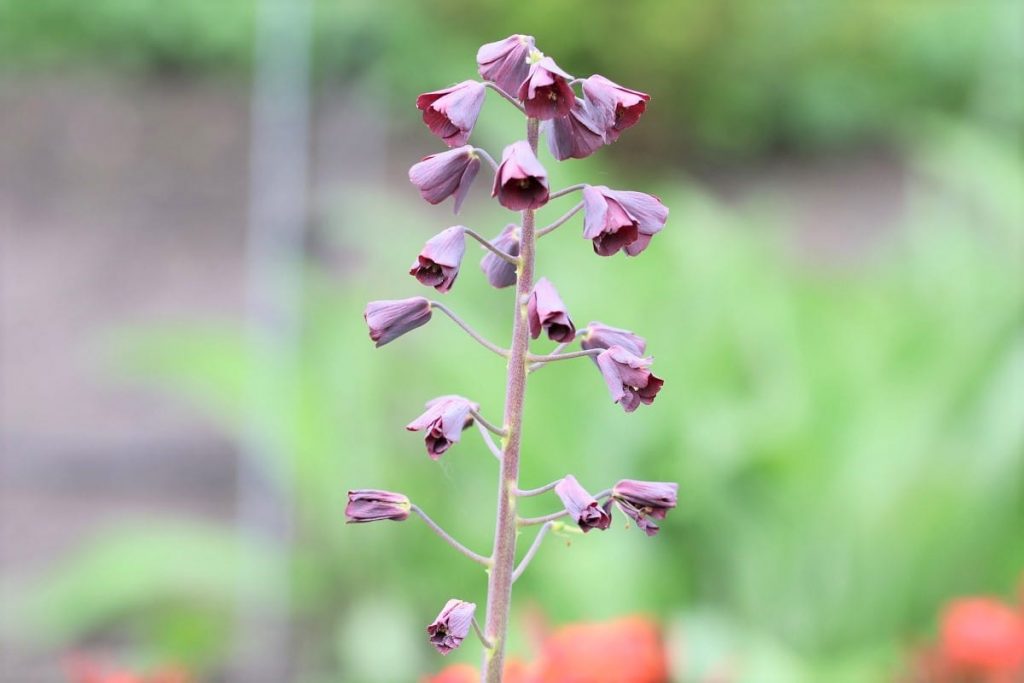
[[848, 440], [731, 77]]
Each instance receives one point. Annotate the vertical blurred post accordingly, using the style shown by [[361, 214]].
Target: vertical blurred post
[[279, 156]]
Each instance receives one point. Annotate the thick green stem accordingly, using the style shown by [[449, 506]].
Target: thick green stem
[[499, 586]]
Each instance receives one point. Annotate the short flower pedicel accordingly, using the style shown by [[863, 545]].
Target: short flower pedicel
[[576, 124]]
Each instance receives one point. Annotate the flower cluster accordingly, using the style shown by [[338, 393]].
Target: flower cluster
[[577, 116]]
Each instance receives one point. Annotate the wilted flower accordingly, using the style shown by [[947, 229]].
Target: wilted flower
[[628, 378], [390, 319], [575, 136], [545, 92], [545, 311], [442, 175], [520, 182], [451, 113], [500, 273], [504, 62], [643, 500], [451, 626], [437, 265], [582, 506], [372, 505], [621, 219], [615, 107], [600, 336], [443, 422]]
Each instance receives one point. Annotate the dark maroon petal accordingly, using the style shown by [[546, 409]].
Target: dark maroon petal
[[575, 136], [621, 220], [500, 273], [372, 505], [438, 262], [390, 319], [616, 108], [546, 93], [504, 62], [629, 381], [443, 175], [520, 181], [545, 310], [451, 113], [645, 500], [601, 336], [442, 423], [582, 506]]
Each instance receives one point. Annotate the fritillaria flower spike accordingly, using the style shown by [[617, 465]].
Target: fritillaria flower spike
[[451, 626], [520, 181], [446, 174], [577, 117], [643, 501], [451, 113], [546, 312], [438, 263], [372, 505], [582, 507], [443, 422]]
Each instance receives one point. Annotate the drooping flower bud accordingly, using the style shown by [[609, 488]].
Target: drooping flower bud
[[443, 422], [372, 505], [629, 380], [439, 176], [582, 506], [452, 625], [545, 311], [503, 62], [620, 219], [438, 264], [500, 273], [642, 501], [575, 136], [615, 107], [546, 93], [520, 182], [600, 336], [390, 319], [451, 113]]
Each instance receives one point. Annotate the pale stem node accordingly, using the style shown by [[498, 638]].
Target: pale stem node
[[476, 557], [565, 217], [491, 446], [534, 521], [565, 356], [480, 634], [469, 330], [527, 493], [487, 157], [508, 258], [565, 191], [514, 101], [528, 557], [497, 431]]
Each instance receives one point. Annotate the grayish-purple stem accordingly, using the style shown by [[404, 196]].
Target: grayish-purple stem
[[499, 584], [480, 634], [497, 431], [565, 191], [525, 562], [487, 157], [469, 330], [565, 356], [508, 258], [538, 366], [489, 440], [476, 557], [557, 224], [526, 493], [514, 101], [534, 521]]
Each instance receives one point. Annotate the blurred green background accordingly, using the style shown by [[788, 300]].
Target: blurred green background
[[836, 306]]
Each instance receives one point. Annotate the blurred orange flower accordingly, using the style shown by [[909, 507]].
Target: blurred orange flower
[[627, 650], [82, 669], [983, 637]]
